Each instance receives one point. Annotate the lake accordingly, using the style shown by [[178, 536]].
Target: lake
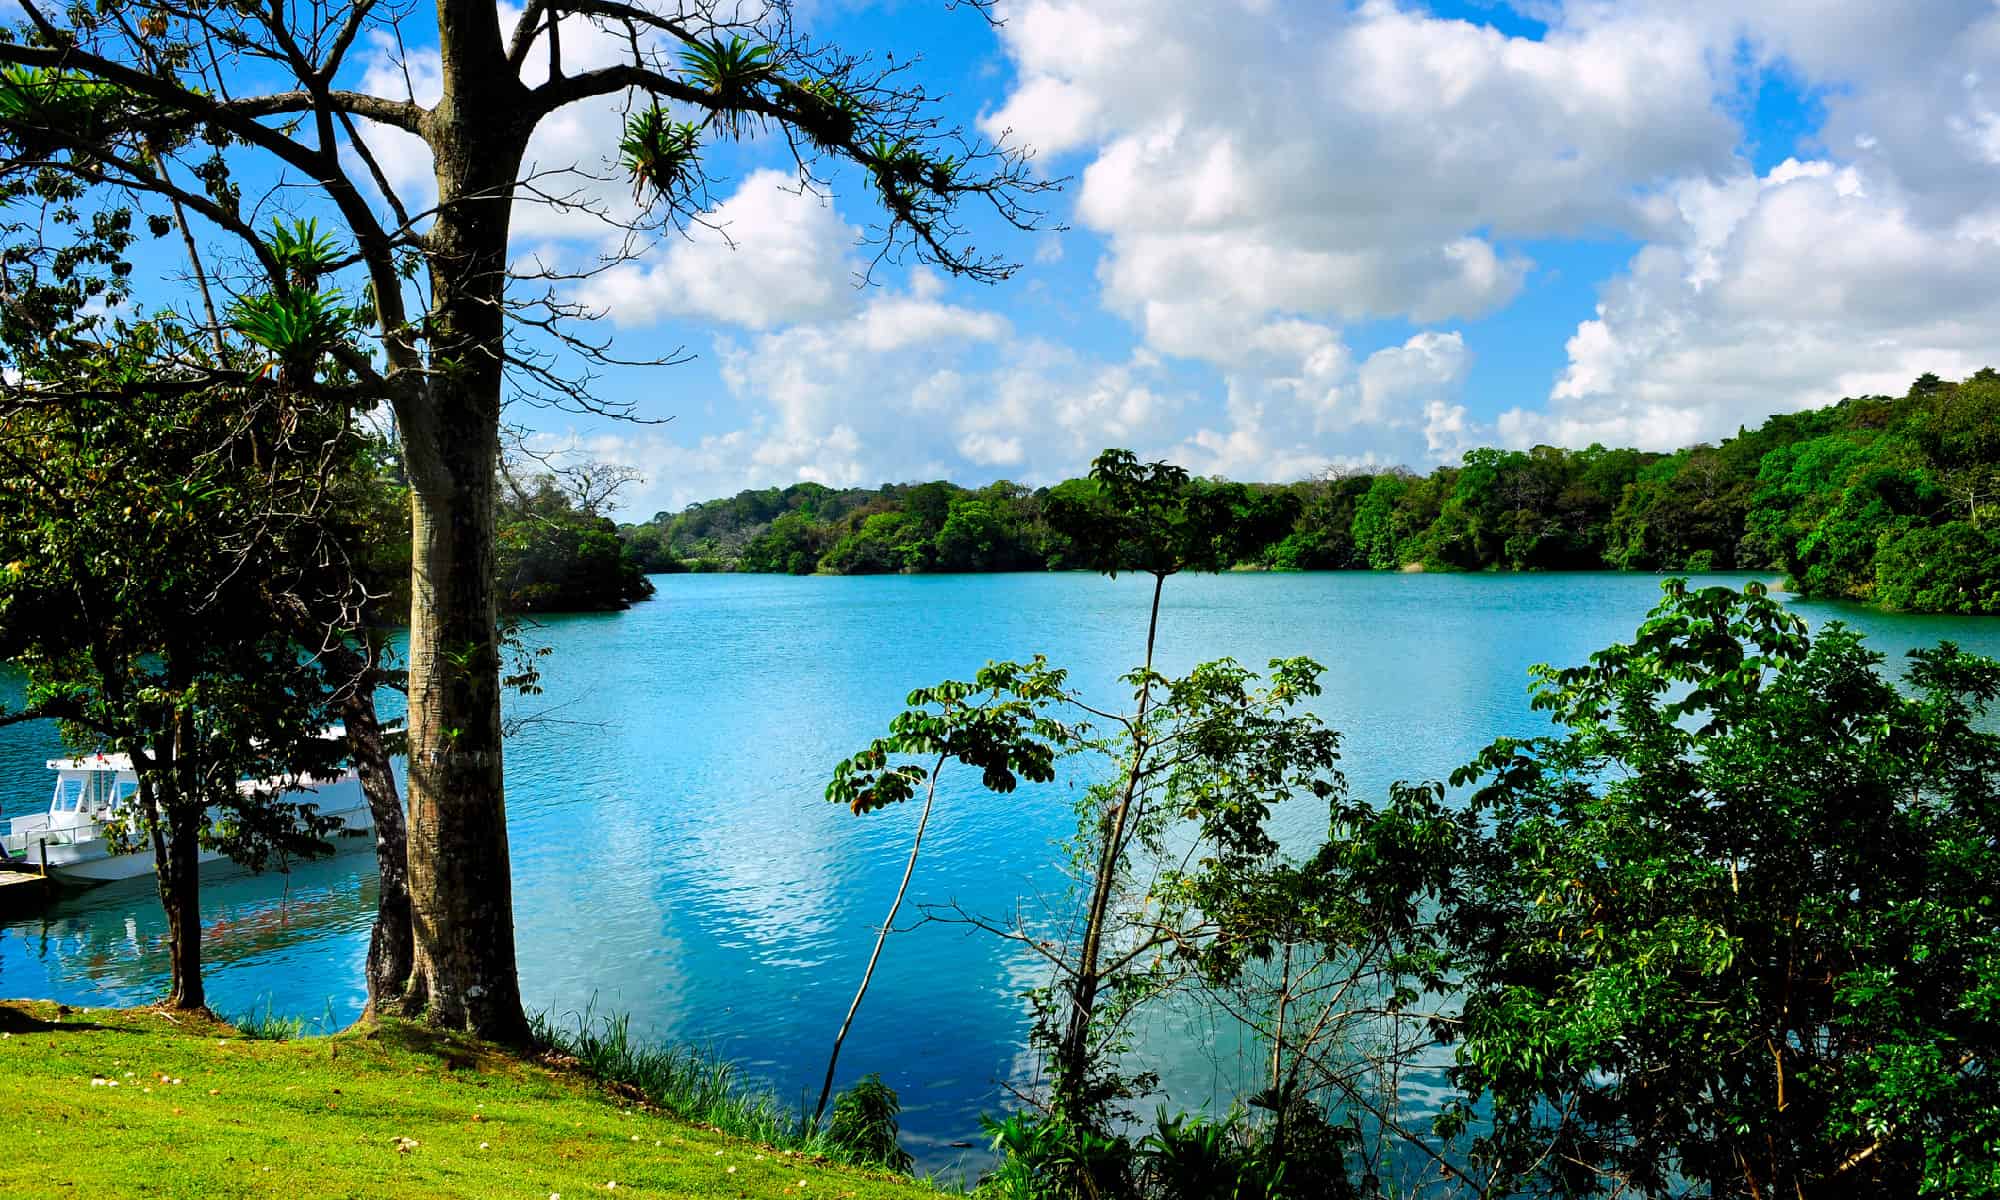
[[675, 860]]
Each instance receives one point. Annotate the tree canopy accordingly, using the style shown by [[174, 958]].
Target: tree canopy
[[1733, 923]]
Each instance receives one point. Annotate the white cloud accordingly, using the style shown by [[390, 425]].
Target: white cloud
[[1264, 173], [1250, 159], [1424, 372], [415, 74], [1795, 289], [1399, 405], [967, 401], [1849, 273], [855, 400], [768, 255]]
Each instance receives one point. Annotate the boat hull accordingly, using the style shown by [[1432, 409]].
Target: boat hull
[[90, 861]]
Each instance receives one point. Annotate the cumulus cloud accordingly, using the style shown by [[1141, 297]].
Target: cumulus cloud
[[1812, 282], [1846, 273], [767, 255], [968, 400], [1250, 159], [1400, 405], [841, 401], [1265, 173]]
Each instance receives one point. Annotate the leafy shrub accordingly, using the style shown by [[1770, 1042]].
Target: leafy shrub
[[1047, 1158], [1946, 568], [1191, 1157], [864, 1125]]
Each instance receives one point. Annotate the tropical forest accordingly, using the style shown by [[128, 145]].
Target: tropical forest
[[1878, 499]]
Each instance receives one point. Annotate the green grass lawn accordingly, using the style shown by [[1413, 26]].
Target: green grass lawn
[[108, 1102]]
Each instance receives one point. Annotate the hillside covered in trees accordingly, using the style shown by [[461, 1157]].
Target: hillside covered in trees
[[1885, 499]]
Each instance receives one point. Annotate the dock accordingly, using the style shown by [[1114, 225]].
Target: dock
[[24, 891]]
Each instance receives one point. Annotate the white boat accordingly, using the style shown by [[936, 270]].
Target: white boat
[[90, 793]]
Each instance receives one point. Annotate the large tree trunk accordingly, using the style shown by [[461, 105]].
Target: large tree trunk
[[461, 895], [463, 973], [390, 946]]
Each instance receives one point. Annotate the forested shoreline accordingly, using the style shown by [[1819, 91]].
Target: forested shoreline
[[1888, 500]]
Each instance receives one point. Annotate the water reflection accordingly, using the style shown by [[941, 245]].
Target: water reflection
[[281, 940]]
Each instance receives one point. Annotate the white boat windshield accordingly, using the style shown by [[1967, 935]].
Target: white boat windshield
[[91, 792]]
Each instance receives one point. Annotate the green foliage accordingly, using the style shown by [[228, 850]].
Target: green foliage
[[1857, 501], [658, 153], [885, 543], [648, 548], [1948, 568], [1323, 539], [864, 1125], [1049, 1158], [552, 556], [1142, 517], [292, 324], [1203, 760], [302, 250], [828, 113], [724, 532], [996, 724], [1207, 760], [733, 73], [684, 1081], [45, 111], [1734, 923], [177, 512], [269, 1025], [1377, 532], [134, 537], [709, 1092], [1185, 1156], [1731, 927], [1196, 1158], [792, 545]]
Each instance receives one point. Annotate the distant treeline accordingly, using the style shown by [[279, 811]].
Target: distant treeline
[[1894, 500]]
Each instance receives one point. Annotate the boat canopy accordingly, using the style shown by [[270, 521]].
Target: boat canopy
[[95, 762], [101, 761]]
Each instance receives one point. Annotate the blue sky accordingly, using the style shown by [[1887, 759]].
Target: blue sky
[[1306, 233]]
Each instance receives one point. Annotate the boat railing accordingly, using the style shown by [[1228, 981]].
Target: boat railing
[[22, 843]]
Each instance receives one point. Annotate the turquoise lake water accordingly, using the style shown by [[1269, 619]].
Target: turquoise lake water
[[674, 858]]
